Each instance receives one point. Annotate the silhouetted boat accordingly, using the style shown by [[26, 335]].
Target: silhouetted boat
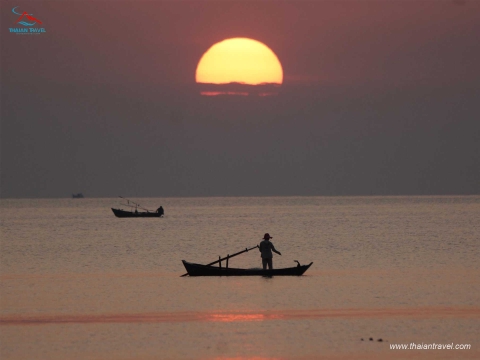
[[135, 213], [208, 270], [77, 196], [132, 214]]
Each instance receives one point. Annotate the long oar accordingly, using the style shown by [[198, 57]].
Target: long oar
[[228, 257], [136, 205]]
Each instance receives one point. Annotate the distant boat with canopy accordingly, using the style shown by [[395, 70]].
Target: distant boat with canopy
[[134, 213]]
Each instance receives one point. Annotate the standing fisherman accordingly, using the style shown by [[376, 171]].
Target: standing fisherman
[[266, 248], [160, 210]]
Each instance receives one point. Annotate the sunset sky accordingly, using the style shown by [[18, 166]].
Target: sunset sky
[[378, 98]]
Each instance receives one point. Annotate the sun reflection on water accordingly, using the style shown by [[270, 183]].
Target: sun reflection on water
[[175, 317], [237, 317]]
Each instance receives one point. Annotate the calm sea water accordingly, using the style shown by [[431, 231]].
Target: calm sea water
[[78, 283]]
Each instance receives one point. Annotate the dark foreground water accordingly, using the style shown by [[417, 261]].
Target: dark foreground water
[[78, 283]]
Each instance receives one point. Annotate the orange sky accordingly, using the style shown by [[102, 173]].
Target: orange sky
[[377, 97], [318, 41]]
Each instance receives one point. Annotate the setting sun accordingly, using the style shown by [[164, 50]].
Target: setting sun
[[239, 60]]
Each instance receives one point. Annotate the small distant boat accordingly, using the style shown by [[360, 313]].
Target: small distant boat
[[77, 196], [209, 270], [134, 213]]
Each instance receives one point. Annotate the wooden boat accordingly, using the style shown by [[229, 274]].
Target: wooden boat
[[208, 270], [134, 214]]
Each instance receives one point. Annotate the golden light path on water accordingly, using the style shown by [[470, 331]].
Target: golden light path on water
[[159, 317]]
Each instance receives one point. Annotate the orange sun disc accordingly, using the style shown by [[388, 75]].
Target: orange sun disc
[[239, 60]]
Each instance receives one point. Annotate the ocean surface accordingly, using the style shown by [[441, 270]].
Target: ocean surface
[[78, 283]]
